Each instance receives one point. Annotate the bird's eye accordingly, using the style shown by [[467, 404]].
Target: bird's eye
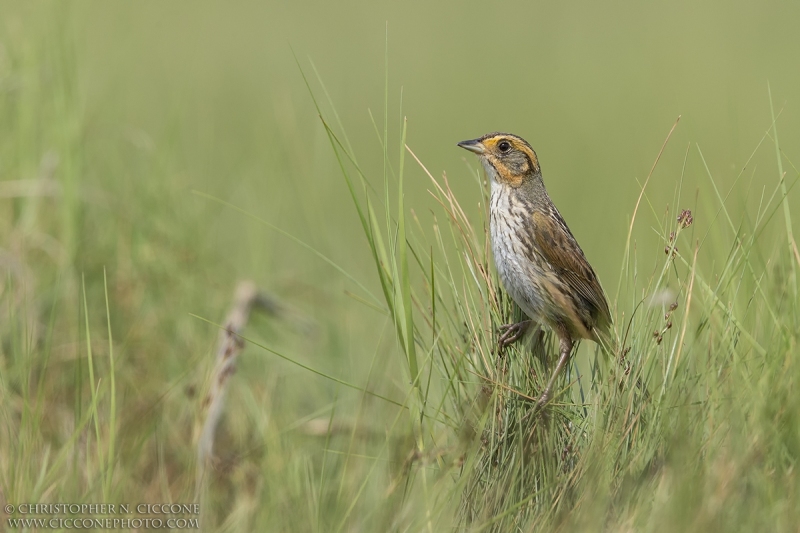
[[504, 146]]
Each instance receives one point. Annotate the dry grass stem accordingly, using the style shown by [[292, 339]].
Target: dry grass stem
[[229, 346]]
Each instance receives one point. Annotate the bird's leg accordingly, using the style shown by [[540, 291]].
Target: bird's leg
[[565, 345], [511, 333]]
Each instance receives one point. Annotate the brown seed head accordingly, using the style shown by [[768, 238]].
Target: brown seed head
[[685, 218]]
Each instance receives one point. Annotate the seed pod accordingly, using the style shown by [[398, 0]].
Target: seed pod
[[685, 218]]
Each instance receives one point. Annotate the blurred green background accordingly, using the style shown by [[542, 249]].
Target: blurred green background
[[594, 88], [126, 108]]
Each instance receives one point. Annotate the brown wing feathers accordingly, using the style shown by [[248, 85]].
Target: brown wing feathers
[[560, 249]]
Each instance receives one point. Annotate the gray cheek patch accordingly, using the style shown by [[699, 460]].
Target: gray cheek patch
[[519, 164]]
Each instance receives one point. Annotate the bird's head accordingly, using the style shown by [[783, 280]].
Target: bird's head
[[508, 159]]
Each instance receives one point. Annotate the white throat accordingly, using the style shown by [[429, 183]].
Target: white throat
[[490, 171]]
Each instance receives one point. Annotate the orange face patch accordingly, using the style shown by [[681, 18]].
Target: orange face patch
[[523, 147], [504, 174], [511, 165], [491, 141]]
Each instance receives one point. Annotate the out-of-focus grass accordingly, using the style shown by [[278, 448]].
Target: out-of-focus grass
[[111, 115]]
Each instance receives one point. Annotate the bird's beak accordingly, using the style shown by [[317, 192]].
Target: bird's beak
[[475, 145]]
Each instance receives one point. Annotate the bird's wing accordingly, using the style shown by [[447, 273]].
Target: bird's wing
[[561, 250]]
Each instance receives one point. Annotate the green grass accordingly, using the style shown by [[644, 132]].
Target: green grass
[[144, 173]]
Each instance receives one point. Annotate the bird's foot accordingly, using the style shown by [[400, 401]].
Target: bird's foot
[[511, 333]]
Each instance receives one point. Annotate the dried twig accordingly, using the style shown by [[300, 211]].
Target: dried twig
[[229, 346]]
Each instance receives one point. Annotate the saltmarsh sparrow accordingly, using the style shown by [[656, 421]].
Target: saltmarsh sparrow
[[538, 260]]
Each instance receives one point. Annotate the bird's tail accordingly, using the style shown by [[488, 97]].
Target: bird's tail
[[607, 339]]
